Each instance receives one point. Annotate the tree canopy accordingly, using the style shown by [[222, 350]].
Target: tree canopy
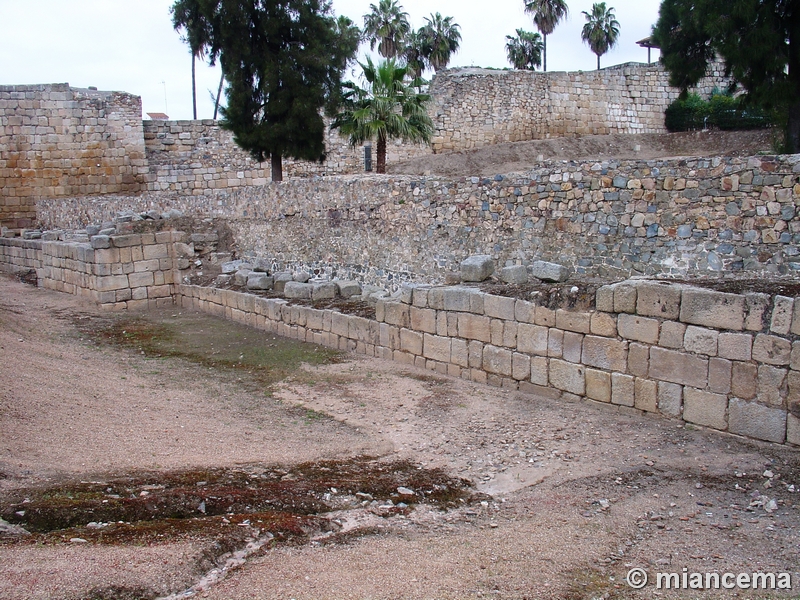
[[440, 39], [386, 25], [525, 50], [601, 29], [283, 62], [546, 15], [388, 108], [758, 40]]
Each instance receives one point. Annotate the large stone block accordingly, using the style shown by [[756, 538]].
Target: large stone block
[[604, 353], [474, 327], [625, 297], [516, 274], [772, 385], [499, 307], [603, 324], [678, 367], [348, 289], [672, 334], [640, 329], [735, 346], [719, 375], [295, 290], [705, 408], [259, 281], [525, 312], [700, 340], [497, 360], [646, 392], [579, 322], [638, 359], [622, 389], [397, 313], [423, 319], [712, 309], [658, 299], [324, 291], [548, 271], [462, 299], [793, 430], [757, 421], [598, 385], [782, 311], [477, 268], [772, 350], [411, 341], [280, 280], [567, 376], [539, 370], [670, 398], [436, 348], [520, 366], [604, 298], [459, 352]]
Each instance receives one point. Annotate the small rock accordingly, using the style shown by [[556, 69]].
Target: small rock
[[172, 213], [477, 268], [404, 491], [769, 474], [77, 540]]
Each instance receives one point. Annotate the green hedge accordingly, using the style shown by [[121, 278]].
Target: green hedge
[[722, 111]]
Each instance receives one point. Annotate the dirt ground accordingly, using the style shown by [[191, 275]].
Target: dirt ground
[[519, 157], [560, 500]]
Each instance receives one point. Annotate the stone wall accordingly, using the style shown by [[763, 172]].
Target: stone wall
[[472, 107], [611, 219], [58, 141], [118, 272], [723, 361]]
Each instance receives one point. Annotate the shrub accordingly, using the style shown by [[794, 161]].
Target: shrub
[[721, 111]]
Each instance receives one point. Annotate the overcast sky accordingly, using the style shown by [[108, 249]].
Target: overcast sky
[[129, 45]]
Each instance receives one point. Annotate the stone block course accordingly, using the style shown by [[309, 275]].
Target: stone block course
[[705, 408]]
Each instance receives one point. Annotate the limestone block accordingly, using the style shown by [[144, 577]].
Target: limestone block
[[782, 311], [670, 398], [678, 367], [603, 324], [572, 347], [475, 355], [719, 375], [436, 348], [638, 359], [436, 298], [772, 349], [622, 389], [646, 394], [497, 360], [744, 378], [525, 312], [794, 362], [459, 352], [423, 319], [364, 330], [111, 283], [793, 430], [598, 385], [420, 296], [141, 279], [389, 336], [520, 366], [155, 251], [573, 321], [625, 297], [658, 299], [545, 317], [460, 298], [474, 327], [603, 353], [555, 342], [757, 311], [604, 299], [641, 329], [771, 385], [411, 341], [713, 309], [324, 291], [499, 307], [280, 280], [477, 268], [239, 278], [539, 370], [735, 346], [672, 334], [700, 340], [348, 289], [567, 376], [259, 281], [757, 421], [532, 339], [705, 408], [547, 271], [301, 276], [123, 241], [517, 274], [295, 290], [100, 241], [340, 324], [397, 313]]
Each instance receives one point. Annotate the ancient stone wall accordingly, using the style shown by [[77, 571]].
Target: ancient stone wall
[[611, 219], [58, 141], [472, 107]]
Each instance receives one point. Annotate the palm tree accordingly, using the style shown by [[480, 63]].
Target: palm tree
[[187, 15], [601, 30], [525, 50], [414, 54], [387, 25], [440, 40], [389, 108], [546, 15]]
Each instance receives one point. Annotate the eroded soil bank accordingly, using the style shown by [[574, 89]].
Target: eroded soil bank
[[326, 476]]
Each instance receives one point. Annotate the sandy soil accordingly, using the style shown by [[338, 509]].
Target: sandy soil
[[579, 493], [519, 157]]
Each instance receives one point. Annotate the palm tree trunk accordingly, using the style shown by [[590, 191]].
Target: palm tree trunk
[[219, 93], [194, 91], [277, 167], [381, 159], [598, 62], [545, 53]]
